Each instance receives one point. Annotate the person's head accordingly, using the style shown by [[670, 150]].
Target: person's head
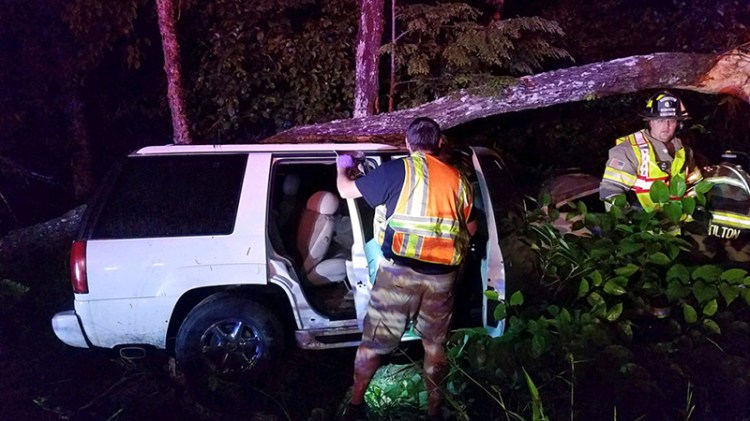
[[423, 135], [664, 113]]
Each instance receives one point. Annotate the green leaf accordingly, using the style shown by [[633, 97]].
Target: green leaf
[[626, 326], [614, 312], [538, 345], [659, 258], [596, 278], [627, 270], [688, 205], [564, 316], [704, 292], [659, 192], [613, 288], [710, 308], [676, 290], [582, 207], [673, 210], [492, 295], [733, 276], [624, 228], [583, 288], [703, 187], [516, 299], [708, 273], [620, 201], [677, 186], [602, 248], [711, 326], [595, 300], [615, 212], [629, 246], [678, 272], [546, 199], [689, 313], [500, 311], [729, 292]]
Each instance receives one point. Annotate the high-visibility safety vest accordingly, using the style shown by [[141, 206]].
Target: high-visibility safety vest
[[648, 169], [429, 222]]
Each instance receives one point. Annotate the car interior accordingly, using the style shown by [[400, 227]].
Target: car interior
[[309, 226]]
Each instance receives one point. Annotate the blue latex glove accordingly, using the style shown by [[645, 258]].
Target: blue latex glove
[[344, 161]]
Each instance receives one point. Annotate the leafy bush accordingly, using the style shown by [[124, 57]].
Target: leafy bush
[[610, 328]]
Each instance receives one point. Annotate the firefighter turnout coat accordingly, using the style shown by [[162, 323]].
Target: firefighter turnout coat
[[638, 160]]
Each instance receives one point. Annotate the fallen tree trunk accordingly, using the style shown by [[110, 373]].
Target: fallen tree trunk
[[727, 73], [46, 242]]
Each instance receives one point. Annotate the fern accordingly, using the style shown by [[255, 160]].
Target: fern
[[444, 47]]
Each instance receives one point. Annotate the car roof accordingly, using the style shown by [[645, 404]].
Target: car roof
[[249, 148]]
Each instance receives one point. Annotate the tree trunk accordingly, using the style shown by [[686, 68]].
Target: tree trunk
[[727, 73], [48, 241], [392, 85], [175, 92], [368, 57], [80, 157]]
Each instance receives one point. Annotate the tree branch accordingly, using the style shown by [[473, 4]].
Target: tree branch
[[727, 73]]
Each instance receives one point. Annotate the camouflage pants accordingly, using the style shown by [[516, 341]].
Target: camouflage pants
[[402, 296]]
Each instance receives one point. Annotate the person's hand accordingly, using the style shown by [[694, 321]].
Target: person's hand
[[344, 161]]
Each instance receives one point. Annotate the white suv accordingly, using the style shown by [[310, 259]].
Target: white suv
[[217, 254]]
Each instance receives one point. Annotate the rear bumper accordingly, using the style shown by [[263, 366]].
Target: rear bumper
[[68, 329]]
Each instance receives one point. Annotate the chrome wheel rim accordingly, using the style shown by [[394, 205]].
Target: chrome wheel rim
[[231, 346]]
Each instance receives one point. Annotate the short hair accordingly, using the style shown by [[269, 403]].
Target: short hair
[[423, 134]]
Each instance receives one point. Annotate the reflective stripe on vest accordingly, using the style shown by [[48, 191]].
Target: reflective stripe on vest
[[731, 219], [429, 222], [648, 169]]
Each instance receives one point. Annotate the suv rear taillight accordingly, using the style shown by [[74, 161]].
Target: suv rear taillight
[[78, 268]]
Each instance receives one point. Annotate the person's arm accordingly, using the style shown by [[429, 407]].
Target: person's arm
[[347, 187], [472, 227], [620, 172]]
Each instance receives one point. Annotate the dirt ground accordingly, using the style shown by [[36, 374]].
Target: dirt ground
[[45, 379]]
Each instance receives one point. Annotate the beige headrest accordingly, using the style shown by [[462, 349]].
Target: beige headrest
[[323, 202]]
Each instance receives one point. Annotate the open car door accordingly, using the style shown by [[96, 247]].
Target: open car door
[[500, 206]]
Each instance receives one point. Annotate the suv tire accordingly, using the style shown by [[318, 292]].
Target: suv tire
[[228, 337]]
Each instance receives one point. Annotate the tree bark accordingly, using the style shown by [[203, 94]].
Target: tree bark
[[367, 57], [80, 157], [727, 73], [25, 247], [175, 91]]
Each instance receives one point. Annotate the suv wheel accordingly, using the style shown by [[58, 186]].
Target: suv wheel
[[229, 337]]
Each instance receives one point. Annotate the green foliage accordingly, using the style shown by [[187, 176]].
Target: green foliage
[[396, 392], [270, 64], [602, 295], [443, 47], [100, 26], [11, 291]]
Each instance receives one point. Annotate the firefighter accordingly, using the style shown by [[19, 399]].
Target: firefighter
[[650, 154]]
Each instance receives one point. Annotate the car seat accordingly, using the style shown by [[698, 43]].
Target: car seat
[[314, 239]]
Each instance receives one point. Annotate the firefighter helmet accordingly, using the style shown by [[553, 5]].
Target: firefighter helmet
[[665, 105]]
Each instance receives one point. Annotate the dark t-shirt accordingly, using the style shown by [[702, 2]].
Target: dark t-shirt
[[383, 186]]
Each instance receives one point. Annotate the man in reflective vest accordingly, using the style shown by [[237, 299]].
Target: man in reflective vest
[[427, 205], [654, 153]]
